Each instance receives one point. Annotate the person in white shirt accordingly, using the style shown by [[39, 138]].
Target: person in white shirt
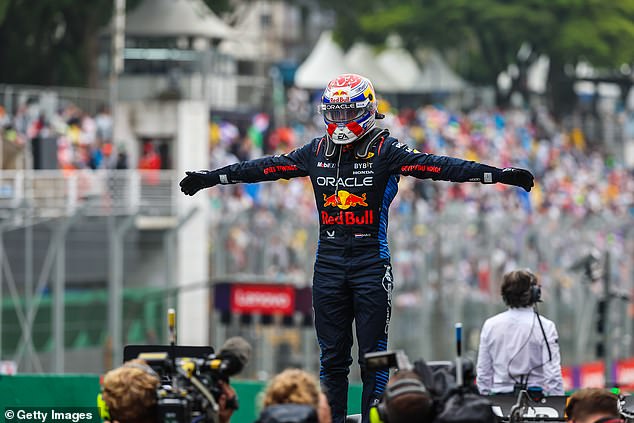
[[518, 347]]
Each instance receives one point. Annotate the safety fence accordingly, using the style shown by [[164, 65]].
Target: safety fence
[[50, 98], [53, 193], [448, 267], [448, 262]]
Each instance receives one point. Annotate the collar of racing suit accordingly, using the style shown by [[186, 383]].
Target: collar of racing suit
[[362, 147]]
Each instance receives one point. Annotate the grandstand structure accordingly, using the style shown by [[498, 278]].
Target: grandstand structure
[[82, 247], [76, 232]]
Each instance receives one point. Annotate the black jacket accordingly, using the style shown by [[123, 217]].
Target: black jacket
[[354, 186]]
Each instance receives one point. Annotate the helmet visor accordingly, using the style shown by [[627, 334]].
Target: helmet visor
[[344, 112]]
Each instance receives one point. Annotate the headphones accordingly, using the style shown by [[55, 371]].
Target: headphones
[[380, 412], [535, 294], [104, 411], [535, 291]]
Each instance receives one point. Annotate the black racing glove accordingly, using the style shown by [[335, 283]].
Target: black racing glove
[[518, 177], [197, 180]]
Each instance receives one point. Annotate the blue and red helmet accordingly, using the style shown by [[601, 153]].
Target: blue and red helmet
[[349, 108]]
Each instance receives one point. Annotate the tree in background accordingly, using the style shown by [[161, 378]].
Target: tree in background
[[52, 42], [55, 42], [486, 35]]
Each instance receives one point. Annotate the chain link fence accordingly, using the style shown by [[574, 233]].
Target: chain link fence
[[449, 264]]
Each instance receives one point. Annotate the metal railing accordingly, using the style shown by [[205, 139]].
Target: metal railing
[[448, 267], [50, 98], [52, 193]]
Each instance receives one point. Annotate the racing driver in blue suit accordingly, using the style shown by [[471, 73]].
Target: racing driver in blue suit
[[354, 170]]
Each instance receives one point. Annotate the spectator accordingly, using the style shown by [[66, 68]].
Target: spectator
[[103, 122], [593, 405], [405, 400], [294, 387], [519, 348], [150, 162], [130, 392], [122, 158]]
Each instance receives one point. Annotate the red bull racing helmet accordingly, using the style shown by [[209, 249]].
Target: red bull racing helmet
[[349, 108]]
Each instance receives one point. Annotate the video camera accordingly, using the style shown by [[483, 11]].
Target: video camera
[[448, 385], [457, 403], [190, 377], [189, 388], [451, 400]]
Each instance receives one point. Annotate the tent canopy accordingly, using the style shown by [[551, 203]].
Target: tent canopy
[[361, 60], [394, 70], [437, 76], [401, 67], [324, 63], [176, 18]]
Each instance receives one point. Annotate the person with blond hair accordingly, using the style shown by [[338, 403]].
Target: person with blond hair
[[294, 396], [129, 392]]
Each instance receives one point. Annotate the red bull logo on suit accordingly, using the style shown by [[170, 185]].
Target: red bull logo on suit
[[344, 200]]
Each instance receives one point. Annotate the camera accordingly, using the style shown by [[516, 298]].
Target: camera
[[451, 400], [387, 360], [189, 381], [190, 378], [438, 376]]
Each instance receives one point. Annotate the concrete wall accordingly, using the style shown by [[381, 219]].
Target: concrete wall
[[193, 238], [186, 124], [219, 91]]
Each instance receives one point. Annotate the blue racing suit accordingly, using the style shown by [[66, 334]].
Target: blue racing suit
[[352, 276]]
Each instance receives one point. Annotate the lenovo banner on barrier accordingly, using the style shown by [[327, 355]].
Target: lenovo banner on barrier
[[568, 377], [625, 374], [263, 299], [592, 375]]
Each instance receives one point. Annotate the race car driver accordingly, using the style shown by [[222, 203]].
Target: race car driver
[[354, 170]]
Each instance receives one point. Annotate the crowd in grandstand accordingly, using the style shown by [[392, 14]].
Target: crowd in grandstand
[[574, 181], [573, 178], [83, 141]]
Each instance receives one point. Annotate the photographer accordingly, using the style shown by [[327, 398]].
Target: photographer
[[593, 405], [426, 393], [405, 400], [294, 396], [129, 394], [519, 348]]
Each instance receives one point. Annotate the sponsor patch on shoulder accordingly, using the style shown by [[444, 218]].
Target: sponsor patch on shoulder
[[326, 165]]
